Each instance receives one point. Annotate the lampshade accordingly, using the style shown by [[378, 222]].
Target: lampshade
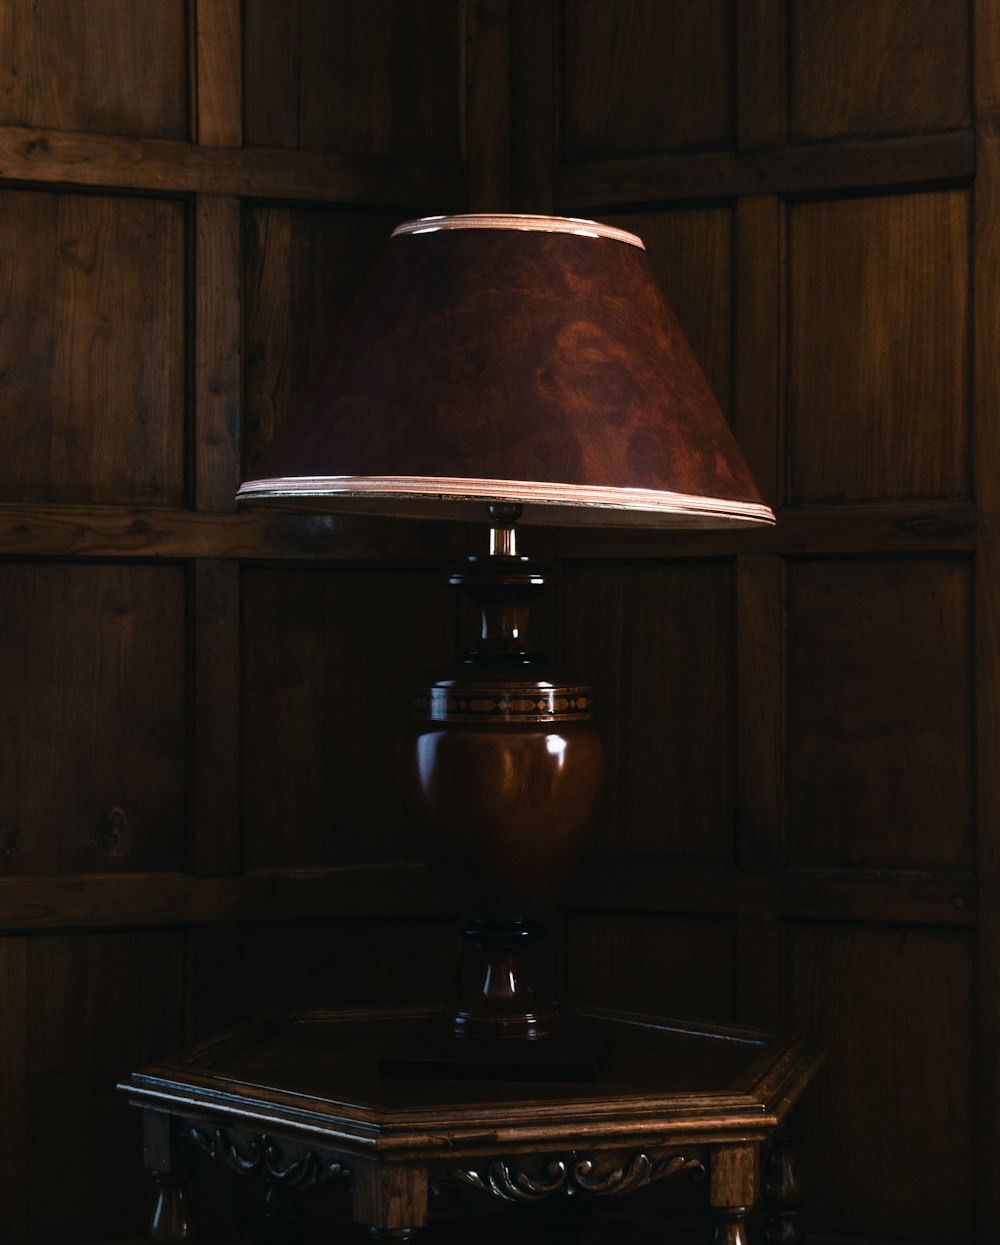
[[522, 359]]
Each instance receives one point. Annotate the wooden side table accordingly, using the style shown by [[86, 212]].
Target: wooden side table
[[298, 1099]]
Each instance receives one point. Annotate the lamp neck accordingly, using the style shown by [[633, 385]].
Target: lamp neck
[[503, 538]]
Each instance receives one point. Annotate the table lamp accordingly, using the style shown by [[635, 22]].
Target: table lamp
[[496, 368]]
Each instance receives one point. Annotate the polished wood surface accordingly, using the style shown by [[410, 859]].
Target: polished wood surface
[[803, 840], [297, 1097]]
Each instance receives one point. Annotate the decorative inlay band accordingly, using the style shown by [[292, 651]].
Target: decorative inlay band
[[571, 1175], [444, 704], [264, 1157]]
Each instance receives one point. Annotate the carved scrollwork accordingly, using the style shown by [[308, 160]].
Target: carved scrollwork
[[569, 1176], [260, 1156]]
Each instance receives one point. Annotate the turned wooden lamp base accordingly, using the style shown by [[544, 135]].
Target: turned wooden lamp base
[[500, 772]]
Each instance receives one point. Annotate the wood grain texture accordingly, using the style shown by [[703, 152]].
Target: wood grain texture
[[218, 73], [880, 704], [365, 76], [899, 66], [858, 165], [661, 954], [216, 847], [691, 252], [486, 115], [13, 1086], [303, 268], [878, 349], [986, 388], [760, 74], [93, 658], [217, 352], [867, 993], [40, 154], [96, 1005], [92, 361], [329, 667], [668, 724], [664, 74], [43, 902], [757, 414], [357, 963], [109, 66]]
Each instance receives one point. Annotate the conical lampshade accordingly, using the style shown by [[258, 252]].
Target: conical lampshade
[[523, 359]]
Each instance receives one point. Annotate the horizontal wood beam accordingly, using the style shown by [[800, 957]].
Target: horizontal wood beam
[[166, 899], [43, 531], [173, 168], [916, 898], [825, 168], [406, 889]]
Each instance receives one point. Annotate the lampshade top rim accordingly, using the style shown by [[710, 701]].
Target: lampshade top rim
[[384, 492], [521, 222]]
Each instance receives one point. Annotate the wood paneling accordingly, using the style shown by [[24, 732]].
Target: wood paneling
[[329, 664], [661, 966], [96, 1004], [107, 66], [878, 347], [192, 192], [303, 268], [668, 723], [691, 252], [880, 714], [899, 66], [894, 1010], [336, 962], [373, 76], [92, 778], [640, 76], [92, 354]]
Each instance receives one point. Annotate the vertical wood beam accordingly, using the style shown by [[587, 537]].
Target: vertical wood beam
[[486, 141], [761, 89], [986, 434], [759, 348], [13, 1088], [217, 73], [217, 350], [535, 111]]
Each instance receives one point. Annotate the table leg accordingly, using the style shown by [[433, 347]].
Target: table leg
[[782, 1192], [733, 1191], [171, 1223]]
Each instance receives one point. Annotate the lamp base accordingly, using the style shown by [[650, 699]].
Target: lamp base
[[579, 1050]]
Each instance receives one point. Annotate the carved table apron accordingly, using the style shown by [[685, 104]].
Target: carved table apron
[[297, 1098]]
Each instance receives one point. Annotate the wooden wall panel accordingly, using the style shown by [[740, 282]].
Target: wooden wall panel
[[369, 963], [895, 67], [640, 76], [660, 965], [880, 714], [98, 1006], [330, 661], [878, 348], [668, 723], [92, 778], [303, 267], [107, 66], [691, 252], [894, 1009], [92, 353], [379, 77]]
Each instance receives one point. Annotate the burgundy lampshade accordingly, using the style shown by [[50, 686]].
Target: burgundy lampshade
[[525, 359]]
